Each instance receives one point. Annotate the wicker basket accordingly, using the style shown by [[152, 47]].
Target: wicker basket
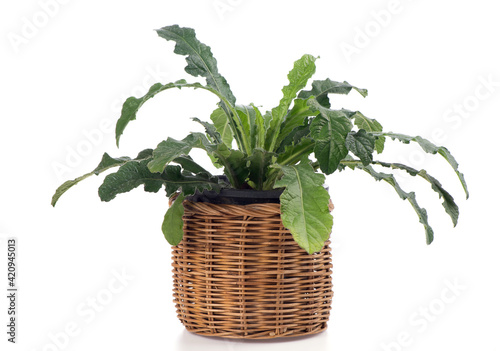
[[238, 273]]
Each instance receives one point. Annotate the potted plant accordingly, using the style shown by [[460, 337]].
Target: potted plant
[[251, 255]]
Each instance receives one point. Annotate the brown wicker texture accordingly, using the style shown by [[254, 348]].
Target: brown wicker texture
[[238, 273]]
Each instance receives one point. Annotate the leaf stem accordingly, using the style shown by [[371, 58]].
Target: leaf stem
[[235, 123]]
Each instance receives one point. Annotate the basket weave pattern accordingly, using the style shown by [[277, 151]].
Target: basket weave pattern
[[238, 273]]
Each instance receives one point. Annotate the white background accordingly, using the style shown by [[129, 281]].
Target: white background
[[64, 74]]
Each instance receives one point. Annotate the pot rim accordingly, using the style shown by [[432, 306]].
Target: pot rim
[[237, 196]]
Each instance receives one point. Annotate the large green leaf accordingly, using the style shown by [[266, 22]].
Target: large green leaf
[[329, 131], [421, 212], [362, 145], [222, 126], [200, 61], [133, 104], [302, 71], [106, 163], [363, 122], [171, 148], [135, 173], [304, 206], [128, 177], [429, 147], [448, 202], [172, 226], [321, 89], [295, 118]]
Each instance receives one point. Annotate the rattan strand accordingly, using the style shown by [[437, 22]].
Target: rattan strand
[[238, 273]]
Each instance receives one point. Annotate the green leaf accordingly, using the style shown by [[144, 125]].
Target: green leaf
[[247, 116], [135, 173], [363, 122], [188, 164], [449, 204], [267, 119], [200, 61], [304, 206], [260, 125], [133, 104], [429, 147], [294, 153], [171, 148], [210, 130], [258, 164], [294, 119], [329, 130], [172, 226], [222, 126], [130, 176], [321, 89], [379, 144], [147, 153], [302, 71], [370, 125], [176, 180], [362, 145], [421, 212], [295, 136], [106, 163], [214, 161]]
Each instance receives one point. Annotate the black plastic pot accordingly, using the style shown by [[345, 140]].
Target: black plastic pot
[[237, 196]]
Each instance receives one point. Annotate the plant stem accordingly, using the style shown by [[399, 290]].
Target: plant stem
[[236, 126]]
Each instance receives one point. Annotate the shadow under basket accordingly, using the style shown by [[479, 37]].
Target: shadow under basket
[[238, 273]]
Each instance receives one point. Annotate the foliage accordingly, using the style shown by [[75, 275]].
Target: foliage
[[274, 150]]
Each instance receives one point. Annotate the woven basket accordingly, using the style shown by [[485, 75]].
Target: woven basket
[[238, 273]]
